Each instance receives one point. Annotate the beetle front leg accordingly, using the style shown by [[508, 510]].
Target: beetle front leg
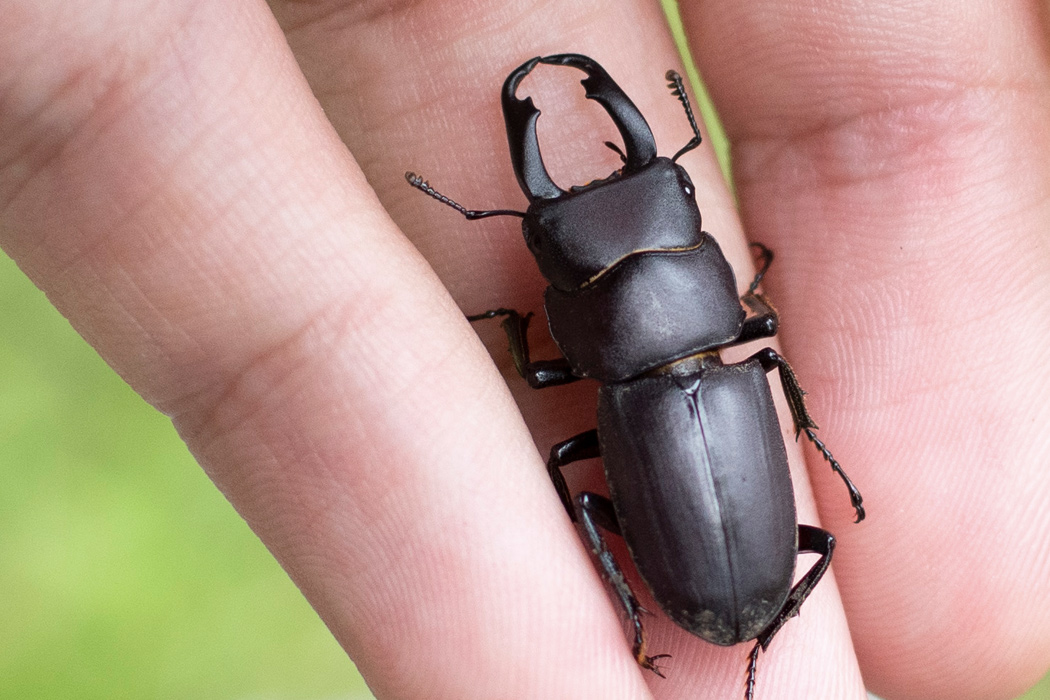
[[803, 421], [766, 256], [597, 511], [810, 539], [539, 374], [764, 322]]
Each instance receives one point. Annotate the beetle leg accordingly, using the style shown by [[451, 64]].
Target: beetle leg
[[764, 324], [804, 422], [540, 374], [763, 321], [597, 511], [582, 446], [810, 539], [752, 665], [767, 259]]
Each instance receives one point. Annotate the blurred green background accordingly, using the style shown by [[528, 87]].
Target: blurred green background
[[123, 572]]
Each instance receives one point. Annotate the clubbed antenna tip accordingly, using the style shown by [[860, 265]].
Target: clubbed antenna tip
[[674, 82], [423, 186]]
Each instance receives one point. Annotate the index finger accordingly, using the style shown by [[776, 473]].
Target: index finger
[[168, 178]]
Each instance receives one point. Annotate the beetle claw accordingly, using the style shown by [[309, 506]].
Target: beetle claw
[[649, 662]]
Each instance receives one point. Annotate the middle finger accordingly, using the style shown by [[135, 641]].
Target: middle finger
[[431, 105]]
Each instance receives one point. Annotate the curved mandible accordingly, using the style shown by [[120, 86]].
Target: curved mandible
[[521, 116]]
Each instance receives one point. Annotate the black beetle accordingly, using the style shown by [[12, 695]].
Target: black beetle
[[642, 300]]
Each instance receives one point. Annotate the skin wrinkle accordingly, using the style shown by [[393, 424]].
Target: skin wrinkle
[[131, 213], [394, 489], [50, 155], [90, 92], [878, 132], [223, 413]]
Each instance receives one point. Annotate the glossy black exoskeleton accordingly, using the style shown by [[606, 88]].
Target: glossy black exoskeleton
[[642, 300]]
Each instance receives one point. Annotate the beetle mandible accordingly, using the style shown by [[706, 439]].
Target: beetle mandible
[[642, 300]]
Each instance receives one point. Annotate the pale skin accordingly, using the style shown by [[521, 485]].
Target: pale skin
[[168, 176]]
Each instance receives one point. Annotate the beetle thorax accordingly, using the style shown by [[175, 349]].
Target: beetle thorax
[[583, 233]]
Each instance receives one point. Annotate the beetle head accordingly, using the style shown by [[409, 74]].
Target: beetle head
[[579, 234]]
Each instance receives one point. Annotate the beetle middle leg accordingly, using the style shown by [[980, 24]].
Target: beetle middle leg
[[770, 359], [597, 512], [810, 539]]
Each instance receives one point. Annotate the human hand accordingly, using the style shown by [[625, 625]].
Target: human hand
[[171, 182]]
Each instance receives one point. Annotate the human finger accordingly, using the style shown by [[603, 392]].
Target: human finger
[[425, 111], [896, 159]]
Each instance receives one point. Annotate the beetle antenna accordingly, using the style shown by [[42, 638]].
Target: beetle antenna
[[678, 90], [471, 214]]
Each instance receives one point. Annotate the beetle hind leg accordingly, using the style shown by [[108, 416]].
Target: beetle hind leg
[[810, 539], [766, 257], [597, 512]]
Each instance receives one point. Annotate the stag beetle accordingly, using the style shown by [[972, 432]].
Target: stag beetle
[[642, 300]]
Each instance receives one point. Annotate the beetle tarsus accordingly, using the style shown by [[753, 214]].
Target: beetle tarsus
[[752, 666], [854, 494], [639, 644], [649, 662]]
